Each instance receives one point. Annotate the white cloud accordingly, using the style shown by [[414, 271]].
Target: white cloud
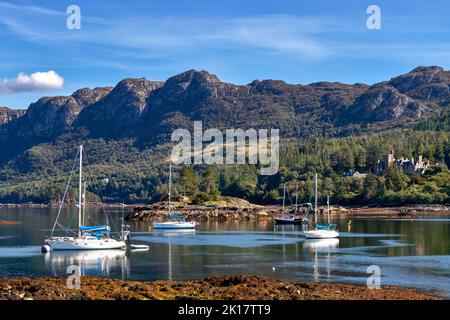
[[38, 81]]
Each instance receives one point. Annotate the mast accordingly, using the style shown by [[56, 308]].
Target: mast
[[328, 204], [284, 195], [296, 201], [80, 190], [84, 203], [315, 198], [170, 185], [121, 226]]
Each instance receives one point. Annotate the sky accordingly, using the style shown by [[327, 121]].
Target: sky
[[237, 40]]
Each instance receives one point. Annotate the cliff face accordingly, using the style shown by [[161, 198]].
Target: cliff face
[[7, 115], [149, 111], [118, 112]]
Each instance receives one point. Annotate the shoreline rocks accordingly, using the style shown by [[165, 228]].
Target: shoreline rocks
[[159, 211], [226, 287], [401, 211]]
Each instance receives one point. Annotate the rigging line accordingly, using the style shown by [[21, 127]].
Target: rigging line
[[65, 193], [289, 196], [67, 229], [70, 220]]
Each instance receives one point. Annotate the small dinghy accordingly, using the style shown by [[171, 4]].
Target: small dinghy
[[139, 246]]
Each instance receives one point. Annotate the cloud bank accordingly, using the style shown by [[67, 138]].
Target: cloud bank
[[38, 81]]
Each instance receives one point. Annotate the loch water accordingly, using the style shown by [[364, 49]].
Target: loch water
[[408, 252]]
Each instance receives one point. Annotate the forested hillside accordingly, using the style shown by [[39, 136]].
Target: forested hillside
[[329, 128]]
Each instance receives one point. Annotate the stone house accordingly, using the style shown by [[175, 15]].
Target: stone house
[[415, 166]]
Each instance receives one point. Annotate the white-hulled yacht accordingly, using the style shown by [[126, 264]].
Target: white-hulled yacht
[[176, 221], [84, 237], [320, 231]]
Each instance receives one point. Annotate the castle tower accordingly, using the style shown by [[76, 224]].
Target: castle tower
[[418, 160], [389, 159]]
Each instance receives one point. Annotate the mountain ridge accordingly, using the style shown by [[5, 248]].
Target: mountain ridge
[[149, 111]]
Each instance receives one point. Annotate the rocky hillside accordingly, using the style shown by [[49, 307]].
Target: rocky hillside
[[150, 111], [7, 115], [125, 128]]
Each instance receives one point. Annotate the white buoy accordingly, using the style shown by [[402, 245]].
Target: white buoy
[[46, 248]]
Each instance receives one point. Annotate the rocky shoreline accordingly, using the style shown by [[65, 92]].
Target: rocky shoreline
[[237, 287], [158, 212], [241, 210], [401, 211]]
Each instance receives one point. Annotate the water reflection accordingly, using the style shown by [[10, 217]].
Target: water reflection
[[321, 250], [320, 244], [410, 252], [91, 262], [173, 232]]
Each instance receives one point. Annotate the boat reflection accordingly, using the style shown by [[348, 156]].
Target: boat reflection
[[91, 262], [321, 244], [173, 232], [322, 255], [286, 227]]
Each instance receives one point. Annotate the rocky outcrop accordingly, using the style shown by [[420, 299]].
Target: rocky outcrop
[[119, 111], [412, 82], [158, 212], [384, 102], [8, 115], [51, 116]]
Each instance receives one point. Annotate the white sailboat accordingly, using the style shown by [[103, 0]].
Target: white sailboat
[[86, 237], [320, 231], [176, 221]]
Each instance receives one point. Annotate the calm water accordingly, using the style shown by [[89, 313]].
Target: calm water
[[410, 252]]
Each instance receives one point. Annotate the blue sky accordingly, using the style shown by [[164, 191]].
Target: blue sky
[[239, 41]]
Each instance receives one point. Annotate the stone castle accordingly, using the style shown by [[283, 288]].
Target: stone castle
[[416, 166]]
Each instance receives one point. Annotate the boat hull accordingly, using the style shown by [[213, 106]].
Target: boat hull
[[321, 234], [70, 243], [174, 225], [288, 221]]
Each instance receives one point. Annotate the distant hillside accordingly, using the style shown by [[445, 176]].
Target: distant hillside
[[436, 123], [126, 128]]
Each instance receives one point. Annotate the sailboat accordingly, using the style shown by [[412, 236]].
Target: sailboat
[[176, 221], [85, 237], [320, 231], [290, 219]]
